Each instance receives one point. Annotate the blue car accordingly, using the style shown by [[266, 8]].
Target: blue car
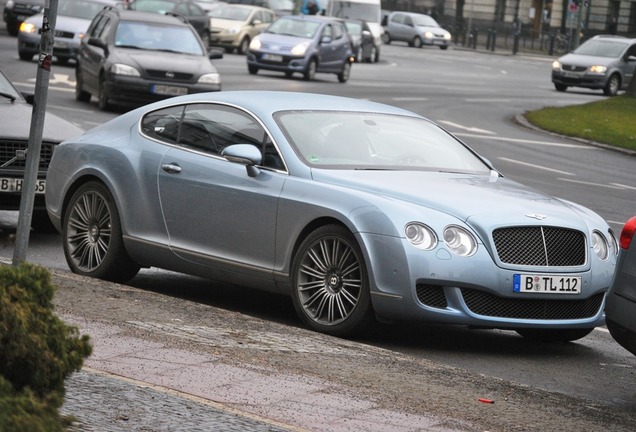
[[355, 209], [621, 298], [303, 44]]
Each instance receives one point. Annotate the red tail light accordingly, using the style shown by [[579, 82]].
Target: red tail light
[[628, 233]]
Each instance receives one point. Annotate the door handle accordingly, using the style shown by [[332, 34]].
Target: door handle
[[171, 168]]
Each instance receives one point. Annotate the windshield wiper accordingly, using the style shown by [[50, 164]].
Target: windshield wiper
[[9, 96]]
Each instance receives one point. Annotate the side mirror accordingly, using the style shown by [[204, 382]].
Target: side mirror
[[96, 42], [256, 22], [29, 97], [215, 54], [244, 154]]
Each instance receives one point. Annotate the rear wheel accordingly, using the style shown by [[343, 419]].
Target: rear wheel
[[310, 72], [554, 335], [92, 236], [330, 288], [612, 86]]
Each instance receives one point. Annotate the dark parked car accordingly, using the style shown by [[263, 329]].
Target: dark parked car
[[355, 209], [305, 44], [73, 18], [620, 309], [15, 128], [132, 57], [16, 11], [604, 62], [194, 13]]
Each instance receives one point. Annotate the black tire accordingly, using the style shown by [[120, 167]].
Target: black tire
[[244, 45], [344, 74], [102, 98], [560, 87], [80, 94], [417, 42], [41, 222], [386, 38], [253, 70], [25, 56], [92, 236], [310, 72], [330, 287], [554, 335], [443, 47], [613, 85], [13, 29]]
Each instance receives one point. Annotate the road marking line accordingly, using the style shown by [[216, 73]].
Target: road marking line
[[536, 166], [623, 186], [519, 140], [590, 183], [467, 128], [488, 100]]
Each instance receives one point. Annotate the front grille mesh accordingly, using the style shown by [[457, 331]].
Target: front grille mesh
[[540, 246], [177, 76], [10, 161], [486, 304], [431, 295]]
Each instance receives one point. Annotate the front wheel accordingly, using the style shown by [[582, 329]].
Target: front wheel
[[80, 94], [386, 38], [310, 72], [417, 42], [253, 70], [330, 288], [560, 87], [92, 236], [612, 86], [554, 335], [102, 98], [343, 76]]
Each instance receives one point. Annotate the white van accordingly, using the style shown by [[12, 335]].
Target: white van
[[368, 10]]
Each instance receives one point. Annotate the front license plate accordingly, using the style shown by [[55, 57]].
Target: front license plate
[[60, 44], [272, 57], [546, 284], [15, 185], [169, 90], [571, 74]]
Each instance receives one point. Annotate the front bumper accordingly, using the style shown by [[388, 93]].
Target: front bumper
[[288, 63], [136, 90], [439, 287], [581, 79]]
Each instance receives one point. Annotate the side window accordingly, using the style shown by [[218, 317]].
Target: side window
[[268, 17], [396, 19], [337, 31], [327, 31], [211, 128], [182, 9], [163, 124], [408, 21]]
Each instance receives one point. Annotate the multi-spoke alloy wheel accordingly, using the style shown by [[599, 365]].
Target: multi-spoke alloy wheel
[[93, 245], [331, 291]]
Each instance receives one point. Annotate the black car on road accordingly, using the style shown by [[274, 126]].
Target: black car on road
[[132, 58]]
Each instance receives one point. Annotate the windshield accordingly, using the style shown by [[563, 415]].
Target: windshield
[[161, 6], [80, 8], [7, 90], [365, 11], [601, 48], [354, 140], [230, 13], [424, 21], [294, 27], [150, 36]]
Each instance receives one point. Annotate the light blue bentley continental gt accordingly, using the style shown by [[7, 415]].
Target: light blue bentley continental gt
[[356, 209]]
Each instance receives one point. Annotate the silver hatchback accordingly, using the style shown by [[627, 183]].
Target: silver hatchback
[[415, 29], [603, 63]]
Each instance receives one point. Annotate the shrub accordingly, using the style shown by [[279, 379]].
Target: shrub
[[38, 351]]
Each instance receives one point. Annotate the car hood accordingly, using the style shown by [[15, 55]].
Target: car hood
[[276, 42], [63, 23], [585, 60], [225, 24], [478, 200], [55, 129], [160, 60], [435, 30]]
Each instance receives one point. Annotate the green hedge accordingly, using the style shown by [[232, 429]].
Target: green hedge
[[38, 351]]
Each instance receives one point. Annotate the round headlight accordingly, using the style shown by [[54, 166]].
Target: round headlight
[[600, 246], [460, 241], [556, 65], [420, 236]]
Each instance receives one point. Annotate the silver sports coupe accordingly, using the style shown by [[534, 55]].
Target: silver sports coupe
[[355, 209]]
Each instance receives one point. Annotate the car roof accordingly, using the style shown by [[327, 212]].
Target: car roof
[[616, 38], [134, 15], [265, 102]]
